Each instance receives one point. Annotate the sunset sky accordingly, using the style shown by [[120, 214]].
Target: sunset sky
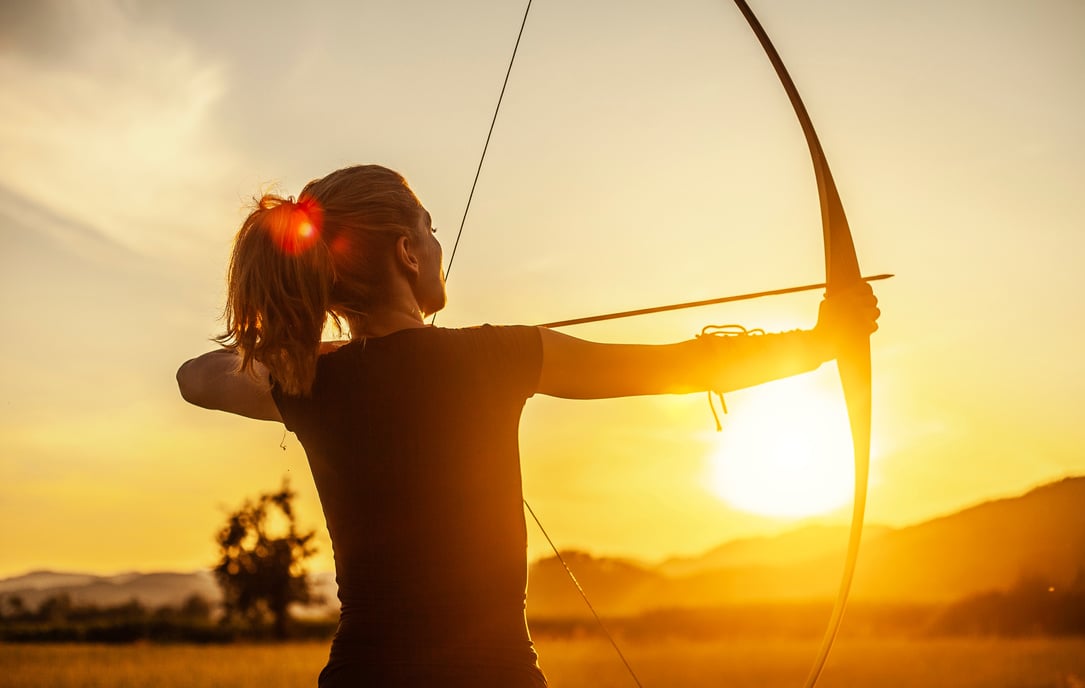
[[645, 154]]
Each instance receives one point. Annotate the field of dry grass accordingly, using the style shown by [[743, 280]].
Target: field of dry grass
[[895, 663]]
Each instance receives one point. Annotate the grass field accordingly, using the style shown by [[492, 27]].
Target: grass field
[[897, 663]]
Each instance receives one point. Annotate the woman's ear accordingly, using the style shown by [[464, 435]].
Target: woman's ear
[[406, 258]]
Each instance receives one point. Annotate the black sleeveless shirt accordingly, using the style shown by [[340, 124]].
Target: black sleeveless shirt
[[413, 443]]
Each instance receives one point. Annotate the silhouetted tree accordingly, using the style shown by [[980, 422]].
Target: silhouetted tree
[[262, 574], [55, 609], [16, 606], [195, 608]]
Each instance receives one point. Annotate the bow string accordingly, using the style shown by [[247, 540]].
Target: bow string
[[841, 274]]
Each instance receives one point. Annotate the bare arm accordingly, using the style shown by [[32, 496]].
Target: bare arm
[[576, 369], [214, 381]]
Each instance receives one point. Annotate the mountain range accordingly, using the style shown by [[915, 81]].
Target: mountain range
[[987, 547]]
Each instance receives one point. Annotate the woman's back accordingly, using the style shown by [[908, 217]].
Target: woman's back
[[426, 517]]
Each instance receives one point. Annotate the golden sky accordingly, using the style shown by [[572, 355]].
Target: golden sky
[[645, 154]]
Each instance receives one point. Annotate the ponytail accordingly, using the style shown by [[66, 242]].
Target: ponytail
[[279, 291], [294, 264]]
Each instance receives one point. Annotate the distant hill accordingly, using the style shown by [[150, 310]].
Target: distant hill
[[44, 580], [987, 547], [787, 549], [149, 589], [984, 548]]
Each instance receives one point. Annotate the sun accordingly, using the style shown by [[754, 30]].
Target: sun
[[785, 450]]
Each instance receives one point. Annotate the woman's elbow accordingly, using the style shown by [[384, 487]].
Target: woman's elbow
[[191, 384]]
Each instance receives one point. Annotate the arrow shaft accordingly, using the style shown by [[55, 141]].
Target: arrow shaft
[[695, 304]]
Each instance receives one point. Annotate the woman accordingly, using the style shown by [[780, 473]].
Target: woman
[[411, 430]]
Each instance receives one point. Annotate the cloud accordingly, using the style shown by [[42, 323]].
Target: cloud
[[93, 329], [26, 222], [45, 30], [109, 119]]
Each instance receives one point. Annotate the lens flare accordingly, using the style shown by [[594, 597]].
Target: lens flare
[[297, 226]]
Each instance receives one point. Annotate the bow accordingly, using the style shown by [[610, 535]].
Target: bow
[[853, 361], [841, 274]]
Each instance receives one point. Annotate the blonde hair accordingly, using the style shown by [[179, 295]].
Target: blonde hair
[[294, 265]]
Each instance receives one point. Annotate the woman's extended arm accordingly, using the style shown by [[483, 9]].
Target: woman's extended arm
[[577, 369]]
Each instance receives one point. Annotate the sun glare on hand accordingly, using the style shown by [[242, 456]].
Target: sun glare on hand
[[785, 449]]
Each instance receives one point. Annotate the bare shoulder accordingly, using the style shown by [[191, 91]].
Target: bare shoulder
[[215, 381]]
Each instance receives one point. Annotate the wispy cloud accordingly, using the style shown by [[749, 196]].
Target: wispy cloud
[[108, 119], [25, 221]]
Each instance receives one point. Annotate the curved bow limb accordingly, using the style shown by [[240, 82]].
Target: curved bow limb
[[853, 361]]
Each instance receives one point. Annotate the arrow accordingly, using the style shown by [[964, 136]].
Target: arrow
[[696, 304]]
